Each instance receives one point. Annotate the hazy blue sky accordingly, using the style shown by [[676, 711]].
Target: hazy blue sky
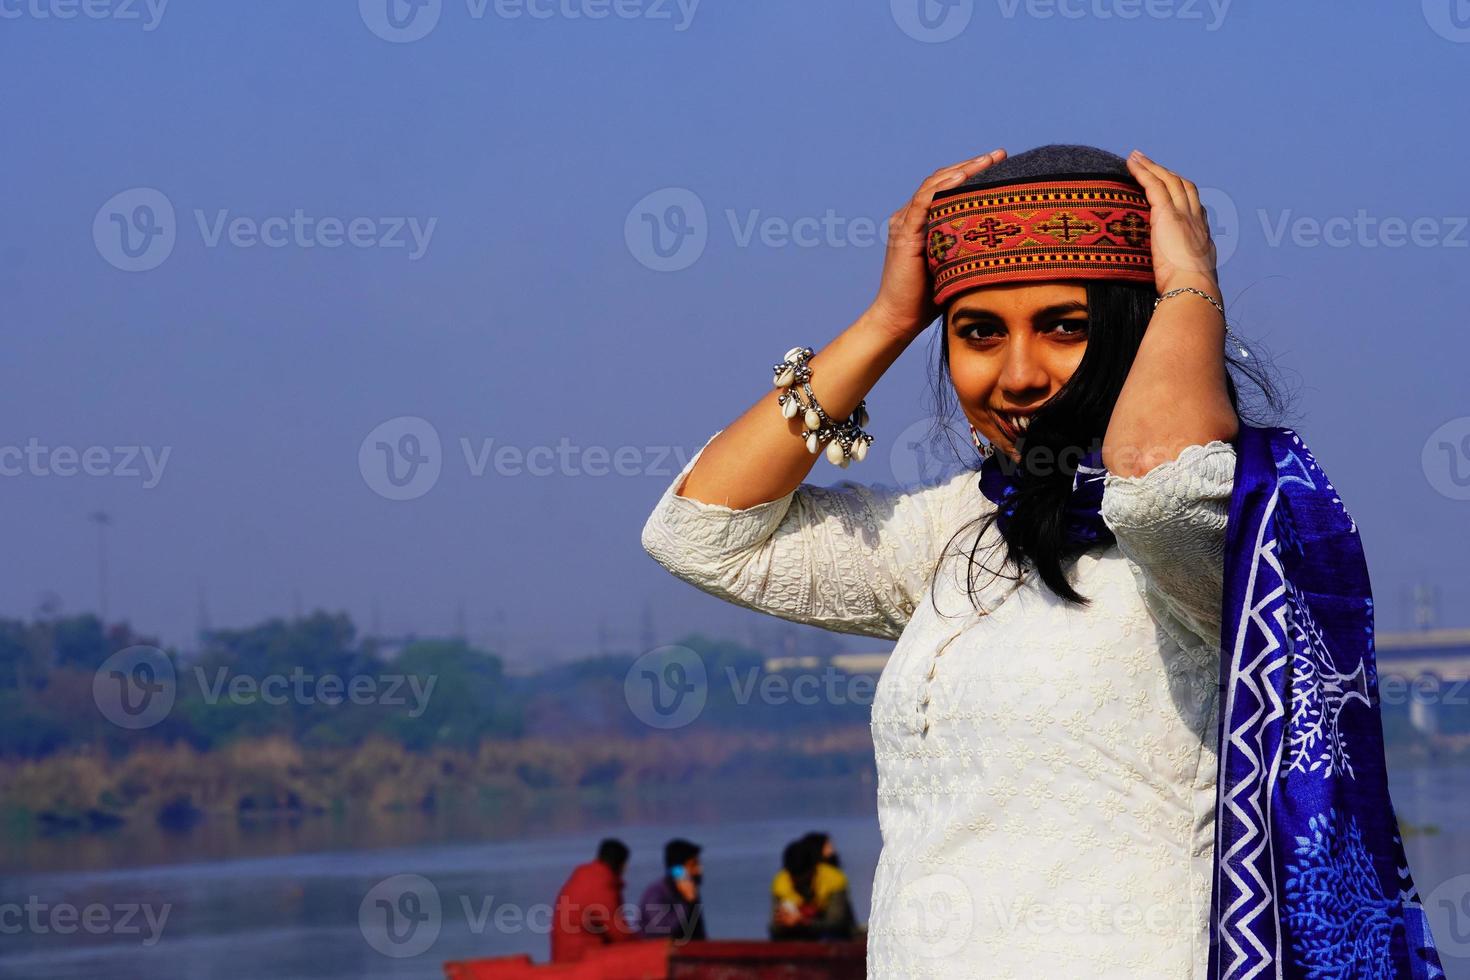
[[530, 144]]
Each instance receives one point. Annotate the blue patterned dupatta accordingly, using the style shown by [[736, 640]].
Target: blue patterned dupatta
[[1311, 880]]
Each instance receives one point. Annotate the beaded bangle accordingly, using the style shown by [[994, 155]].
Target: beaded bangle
[[845, 439]]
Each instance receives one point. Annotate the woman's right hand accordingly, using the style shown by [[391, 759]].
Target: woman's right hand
[[905, 303]]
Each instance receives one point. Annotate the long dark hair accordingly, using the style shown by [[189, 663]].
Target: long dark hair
[[1075, 420], [800, 859]]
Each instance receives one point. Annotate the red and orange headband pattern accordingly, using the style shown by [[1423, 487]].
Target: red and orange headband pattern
[[1077, 226]]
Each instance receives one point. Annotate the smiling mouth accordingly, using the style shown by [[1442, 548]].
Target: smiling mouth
[[1014, 426]]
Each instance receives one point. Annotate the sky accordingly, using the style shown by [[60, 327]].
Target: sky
[[246, 247]]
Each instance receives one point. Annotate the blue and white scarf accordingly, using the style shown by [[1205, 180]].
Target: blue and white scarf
[[1311, 881]]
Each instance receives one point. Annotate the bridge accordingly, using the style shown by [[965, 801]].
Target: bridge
[[1430, 671]]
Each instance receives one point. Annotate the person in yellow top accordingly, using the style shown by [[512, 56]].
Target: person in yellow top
[[809, 895]]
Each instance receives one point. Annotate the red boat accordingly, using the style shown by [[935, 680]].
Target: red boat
[[734, 959]]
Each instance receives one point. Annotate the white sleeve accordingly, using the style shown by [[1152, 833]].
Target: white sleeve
[[853, 557], [1170, 523]]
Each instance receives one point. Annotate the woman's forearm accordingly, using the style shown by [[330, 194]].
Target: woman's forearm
[[1175, 394], [762, 455]]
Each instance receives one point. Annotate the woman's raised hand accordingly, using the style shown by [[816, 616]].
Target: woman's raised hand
[[1179, 228], [905, 302]]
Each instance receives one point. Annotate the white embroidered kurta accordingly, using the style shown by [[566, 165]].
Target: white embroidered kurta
[[1046, 773]]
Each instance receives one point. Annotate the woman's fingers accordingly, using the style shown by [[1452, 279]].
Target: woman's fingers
[[1171, 182], [1151, 176], [1156, 185], [973, 164], [1182, 239], [913, 216], [1184, 193], [1194, 203], [1153, 187], [965, 168]]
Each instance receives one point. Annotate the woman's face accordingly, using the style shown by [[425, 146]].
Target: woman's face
[[1012, 347]]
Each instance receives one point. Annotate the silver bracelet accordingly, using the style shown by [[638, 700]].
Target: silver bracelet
[[846, 441], [1230, 335], [1190, 289]]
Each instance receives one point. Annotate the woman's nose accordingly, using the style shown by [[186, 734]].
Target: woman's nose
[[1023, 374]]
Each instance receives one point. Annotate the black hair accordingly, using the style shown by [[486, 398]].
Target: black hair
[[1074, 421], [800, 859], [678, 851], [612, 852], [818, 839]]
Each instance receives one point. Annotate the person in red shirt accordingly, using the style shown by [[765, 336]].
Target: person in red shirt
[[589, 910]]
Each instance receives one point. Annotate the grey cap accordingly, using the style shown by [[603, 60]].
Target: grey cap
[[1051, 160]]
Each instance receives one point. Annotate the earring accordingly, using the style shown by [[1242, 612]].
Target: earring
[[983, 448]]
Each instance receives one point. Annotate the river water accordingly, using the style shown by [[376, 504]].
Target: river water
[[300, 900]]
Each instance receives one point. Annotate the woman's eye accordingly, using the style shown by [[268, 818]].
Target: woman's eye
[[981, 331]]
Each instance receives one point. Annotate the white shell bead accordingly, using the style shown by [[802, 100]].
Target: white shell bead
[[860, 450], [834, 452], [811, 443], [784, 379], [789, 407], [791, 354], [813, 420]]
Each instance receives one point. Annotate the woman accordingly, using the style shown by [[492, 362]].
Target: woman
[[1046, 728], [809, 896]]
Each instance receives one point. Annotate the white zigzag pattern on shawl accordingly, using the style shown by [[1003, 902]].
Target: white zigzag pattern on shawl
[[1408, 894], [1255, 893]]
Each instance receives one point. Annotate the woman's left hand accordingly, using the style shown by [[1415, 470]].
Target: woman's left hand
[[1179, 228]]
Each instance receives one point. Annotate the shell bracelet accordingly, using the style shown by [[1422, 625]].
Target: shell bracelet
[[845, 439]]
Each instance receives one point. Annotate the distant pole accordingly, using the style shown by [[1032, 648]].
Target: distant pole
[[498, 639], [103, 520], [1426, 606], [648, 637], [203, 626]]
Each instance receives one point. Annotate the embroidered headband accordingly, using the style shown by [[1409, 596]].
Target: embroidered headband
[[1032, 229]]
